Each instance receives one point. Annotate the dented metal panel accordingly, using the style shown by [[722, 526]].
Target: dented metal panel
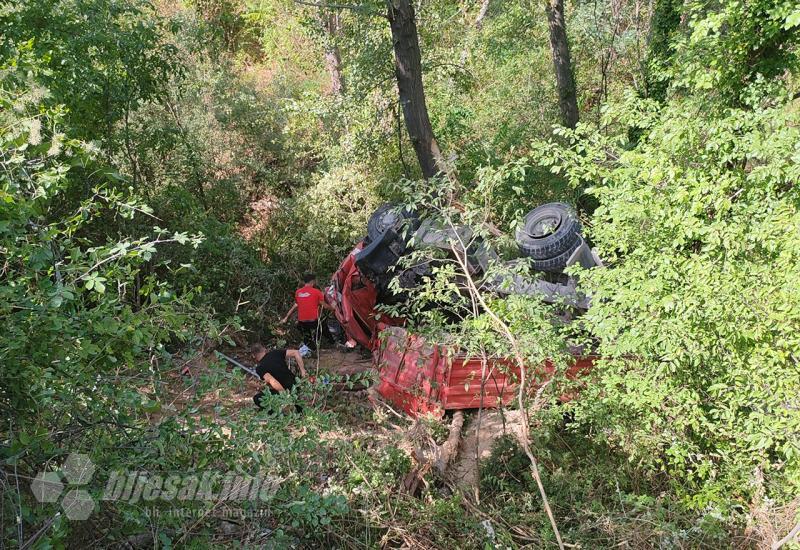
[[421, 378], [410, 372]]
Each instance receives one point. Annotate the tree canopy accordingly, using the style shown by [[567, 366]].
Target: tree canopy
[[169, 170]]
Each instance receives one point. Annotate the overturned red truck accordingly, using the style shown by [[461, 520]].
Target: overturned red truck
[[421, 377]]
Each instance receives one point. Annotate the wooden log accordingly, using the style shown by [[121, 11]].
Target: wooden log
[[449, 449], [438, 459], [788, 538]]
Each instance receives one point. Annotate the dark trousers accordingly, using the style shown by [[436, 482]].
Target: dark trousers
[[311, 332]]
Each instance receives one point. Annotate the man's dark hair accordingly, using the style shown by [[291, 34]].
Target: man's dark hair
[[308, 277], [257, 349]]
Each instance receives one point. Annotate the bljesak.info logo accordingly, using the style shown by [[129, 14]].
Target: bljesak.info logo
[[74, 476]]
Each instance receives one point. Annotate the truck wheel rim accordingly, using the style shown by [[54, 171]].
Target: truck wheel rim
[[545, 225], [388, 220]]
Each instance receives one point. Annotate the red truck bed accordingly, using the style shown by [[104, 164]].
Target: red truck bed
[[421, 378]]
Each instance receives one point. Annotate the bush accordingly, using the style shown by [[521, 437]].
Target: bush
[[697, 313], [316, 227], [507, 469]]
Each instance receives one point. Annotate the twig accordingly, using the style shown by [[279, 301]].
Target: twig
[[484, 362], [788, 538], [525, 436], [372, 394], [40, 532], [199, 520], [122, 253], [19, 504]]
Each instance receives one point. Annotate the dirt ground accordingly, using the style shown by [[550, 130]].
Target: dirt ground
[[356, 408], [335, 361], [183, 385], [476, 444]]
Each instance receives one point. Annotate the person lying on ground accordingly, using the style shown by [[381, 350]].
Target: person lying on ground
[[307, 301], [274, 370]]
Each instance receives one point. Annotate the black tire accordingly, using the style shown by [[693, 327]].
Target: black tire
[[380, 255], [549, 231], [558, 263], [388, 216]]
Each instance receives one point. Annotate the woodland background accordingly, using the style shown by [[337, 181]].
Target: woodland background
[[169, 169]]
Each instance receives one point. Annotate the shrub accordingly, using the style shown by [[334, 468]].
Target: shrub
[[697, 313]]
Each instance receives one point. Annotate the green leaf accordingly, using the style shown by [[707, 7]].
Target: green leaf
[[793, 20], [151, 406]]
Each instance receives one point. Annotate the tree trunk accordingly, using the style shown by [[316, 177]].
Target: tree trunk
[[667, 18], [408, 69], [482, 14], [449, 449], [333, 61], [562, 63]]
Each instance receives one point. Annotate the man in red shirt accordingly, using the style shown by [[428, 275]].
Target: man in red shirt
[[307, 300]]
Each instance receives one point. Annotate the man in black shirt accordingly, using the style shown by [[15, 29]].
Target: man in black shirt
[[273, 369]]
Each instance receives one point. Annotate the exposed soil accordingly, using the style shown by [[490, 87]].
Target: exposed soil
[[335, 361], [476, 444], [258, 217], [183, 384], [355, 409]]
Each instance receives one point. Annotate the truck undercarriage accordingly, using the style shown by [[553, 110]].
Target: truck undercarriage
[[419, 377]]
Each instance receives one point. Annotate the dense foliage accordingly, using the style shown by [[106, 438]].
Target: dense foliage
[[701, 218], [697, 314], [168, 170]]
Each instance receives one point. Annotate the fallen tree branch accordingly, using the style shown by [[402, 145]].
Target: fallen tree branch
[[431, 456], [788, 538], [520, 360], [449, 448], [416, 476]]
